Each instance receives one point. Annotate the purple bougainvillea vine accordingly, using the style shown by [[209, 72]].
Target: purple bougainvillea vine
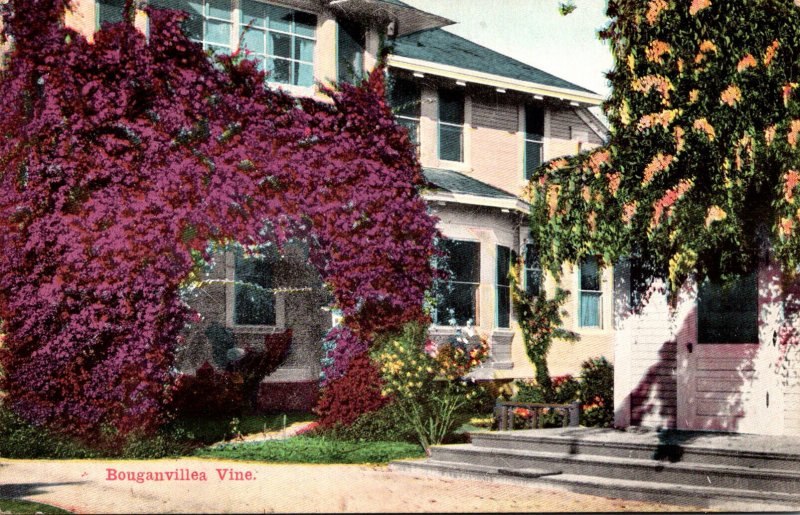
[[122, 158]]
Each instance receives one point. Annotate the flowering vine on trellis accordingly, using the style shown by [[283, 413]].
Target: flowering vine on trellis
[[121, 159]]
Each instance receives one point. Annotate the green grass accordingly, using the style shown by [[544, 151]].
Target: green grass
[[314, 449], [208, 431], [25, 507]]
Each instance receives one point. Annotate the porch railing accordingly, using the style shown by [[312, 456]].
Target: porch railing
[[534, 414]]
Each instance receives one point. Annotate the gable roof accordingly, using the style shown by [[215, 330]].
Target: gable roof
[[440, 46], [408, 19], [455, 182]]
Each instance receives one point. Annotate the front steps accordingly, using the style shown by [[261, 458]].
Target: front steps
[[735, 472]]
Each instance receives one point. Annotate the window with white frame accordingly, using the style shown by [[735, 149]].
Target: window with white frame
[[254, 297], [281, 40], [534, 139], [451, 125], [405, 99], [109, 11], [590, 295], [533, 270], [503, 287], [457, 298]]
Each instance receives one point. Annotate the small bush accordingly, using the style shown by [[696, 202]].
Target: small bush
[[222, 340], [19, 439], [387, 424], [597, 393], [355, 393], [207, 393]]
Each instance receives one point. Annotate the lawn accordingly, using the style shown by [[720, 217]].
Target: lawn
[[210, 430], [24, 507], [314, 449]]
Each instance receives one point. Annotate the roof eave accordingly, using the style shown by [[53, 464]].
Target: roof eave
[[511, 204], [489, 79], [409, 19]]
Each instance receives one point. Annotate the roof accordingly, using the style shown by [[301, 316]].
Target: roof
[[455, 182], [442, 47], [408, 19]]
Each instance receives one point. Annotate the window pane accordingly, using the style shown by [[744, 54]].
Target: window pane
[[728, 313], [110, 11], [503, 265], [254, 303], [404, 97], [533, 270], [451, 106], [305, 24], [464, 260], [280, 70], [351, 41], [253, 40], [304, 49], [303, 74], [280, 18], [450, 143], [220, 9], [254, 13], [218, 32], [280, 45], [413, 129], [533, 157], [534, 122], [503, 306], [456, 301], [590, 275], [590, 309]]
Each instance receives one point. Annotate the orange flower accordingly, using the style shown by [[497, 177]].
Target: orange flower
[[746, 62], [769, 55], [701, 124], [658, 82], [731, 95], [558, 163], [552, 198], [786, 226], [592, 219], [769, 134], [654, 8], [705, 47], [657, 49], [663, 119], [586, 193], [698, 5], [668, 201], [793, 132], [613, 182], [628, 210], [787, 92], [715, 214], [791, 179], [694, 95], [680, 143], [659, 163]]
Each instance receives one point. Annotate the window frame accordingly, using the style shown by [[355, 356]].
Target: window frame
[[98, 22], [531, 137], [597, 293], [537, 269], [502, 286], [407, 120], [451, 125], [476, 284], [279, 302], [340, 74]]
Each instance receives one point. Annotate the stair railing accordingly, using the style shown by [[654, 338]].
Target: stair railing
[[504, 413]]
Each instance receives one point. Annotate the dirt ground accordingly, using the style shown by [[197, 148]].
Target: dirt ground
[[94, 486]]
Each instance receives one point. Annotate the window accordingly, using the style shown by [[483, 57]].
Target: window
[[457, 299], [109, 11], [405, 99], [282, 40], [533, 270], [254, 300], [590, 312], [451, 125], [350, 43], [534, 139], [728, 313], [503, 286]]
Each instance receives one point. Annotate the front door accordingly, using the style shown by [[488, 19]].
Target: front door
[[723, 372]]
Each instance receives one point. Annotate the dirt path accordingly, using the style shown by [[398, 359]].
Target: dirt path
[[86, 486]]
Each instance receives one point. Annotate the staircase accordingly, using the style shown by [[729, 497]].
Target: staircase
[[708, 470]]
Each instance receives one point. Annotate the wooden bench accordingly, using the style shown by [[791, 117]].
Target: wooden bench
[[504, 414]]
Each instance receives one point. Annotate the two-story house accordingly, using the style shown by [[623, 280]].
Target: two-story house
[[482, 122]]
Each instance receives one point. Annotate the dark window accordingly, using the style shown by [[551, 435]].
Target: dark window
[[503, 286], [351, 41], [109, 11], [533, 270], [405, 99], [254, 300], [534, 139], [728, 313], [457, 298], [451, 125], [590, 299]]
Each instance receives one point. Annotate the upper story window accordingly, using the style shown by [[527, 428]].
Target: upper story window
[[590, 298], [534, 139], [281, 40], [533, 270], [109, 11], [503, 286], [351, 41], [254, 299], [457, 299], [405, 99], [728, 313], [451, 125]]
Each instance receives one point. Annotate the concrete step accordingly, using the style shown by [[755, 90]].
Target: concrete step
[[732, 499], [623, 468], [644, 447]]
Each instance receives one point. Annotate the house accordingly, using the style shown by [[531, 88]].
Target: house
[[482, 122]]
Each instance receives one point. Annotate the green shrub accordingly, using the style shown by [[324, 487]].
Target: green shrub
[[19, 439], [387, 424], [597, 393]]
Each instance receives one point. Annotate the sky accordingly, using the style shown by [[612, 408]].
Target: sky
[[534, 32]]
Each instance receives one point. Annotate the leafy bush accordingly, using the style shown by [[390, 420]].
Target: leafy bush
[[314, 449], [597, 393], [207, 393], [222, 340], [387, 424], [19, 439], [357, 392], [428, 380], [254, 365]]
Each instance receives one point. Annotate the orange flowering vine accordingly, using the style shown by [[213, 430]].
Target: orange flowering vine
[[698, 5], [654, 82], [661, 119], [790, 181], [769, 55], [654, 8], [746, 62], [715, 214], [613, 182], [656, 50], [794, 130], [731, 96], [701, 124], [658, 164]]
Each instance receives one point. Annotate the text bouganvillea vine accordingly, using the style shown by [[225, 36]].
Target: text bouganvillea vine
[[701, 171], [122, 158]]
